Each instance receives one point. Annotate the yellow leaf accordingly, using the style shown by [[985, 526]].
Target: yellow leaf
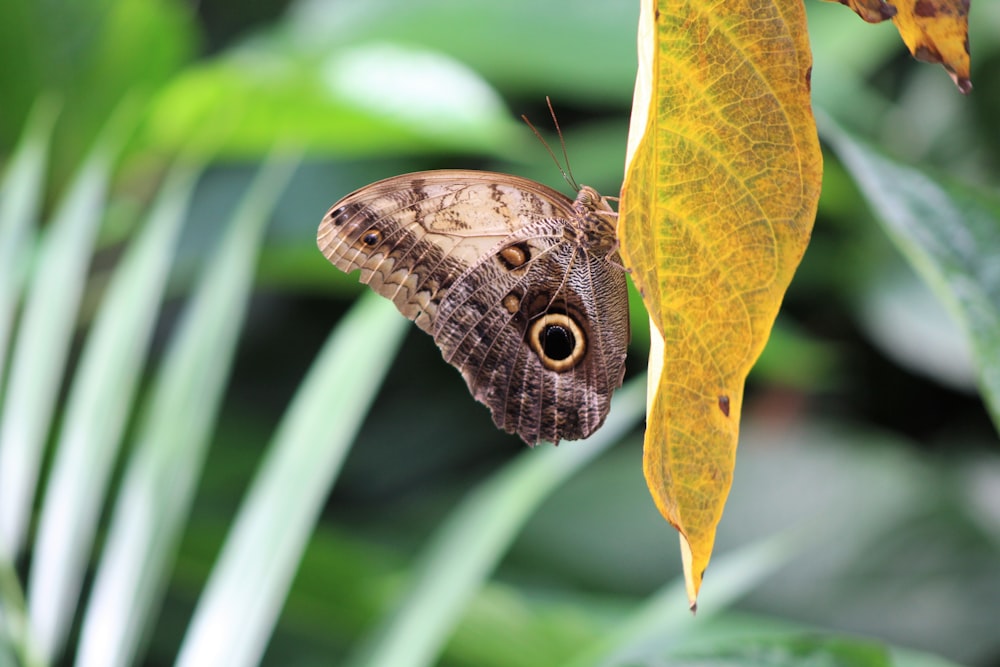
[[719, 198], [935, 31], [872, 11]]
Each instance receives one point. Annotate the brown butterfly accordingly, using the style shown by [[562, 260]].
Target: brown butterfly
[[521, 287]]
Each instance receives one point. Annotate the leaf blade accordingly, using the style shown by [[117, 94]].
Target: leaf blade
[[948, 236], [233, 621], [46, 328], [935, 31], [472, 539], [101, 395], [20, 202], [642, 634], [159, 480], [717, 208]]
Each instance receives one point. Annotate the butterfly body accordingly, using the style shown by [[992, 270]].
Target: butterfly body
[[521, 288]]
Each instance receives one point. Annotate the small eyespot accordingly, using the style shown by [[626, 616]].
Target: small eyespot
[[558, 341], [512, 302], [371, 237], [341, 214], [514, 256]]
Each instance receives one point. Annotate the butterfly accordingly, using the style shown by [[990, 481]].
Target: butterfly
[[521, 287]]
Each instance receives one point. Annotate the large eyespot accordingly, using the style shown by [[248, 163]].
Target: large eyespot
[[371, 238], [514, 256], [558, 341]]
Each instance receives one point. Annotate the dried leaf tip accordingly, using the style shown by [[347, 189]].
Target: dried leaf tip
[[964, 85]]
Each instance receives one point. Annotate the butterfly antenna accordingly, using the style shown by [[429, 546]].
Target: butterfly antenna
[[567, 173], [562, 143]]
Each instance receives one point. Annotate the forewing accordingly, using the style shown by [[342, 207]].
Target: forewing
[[413, 235]]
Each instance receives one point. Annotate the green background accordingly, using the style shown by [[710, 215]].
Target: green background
[[864, 427]]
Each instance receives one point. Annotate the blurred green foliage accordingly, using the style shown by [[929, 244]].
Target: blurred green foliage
[[862, 419], [88, 55]]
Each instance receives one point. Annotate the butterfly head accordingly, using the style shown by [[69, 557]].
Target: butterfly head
[[595, 220]]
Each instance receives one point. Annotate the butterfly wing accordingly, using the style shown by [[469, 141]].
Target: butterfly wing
[[480, 261]]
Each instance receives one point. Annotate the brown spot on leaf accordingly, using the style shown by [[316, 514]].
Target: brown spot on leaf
[[927, 54], [925, 8], [724, 404], [871, 11]]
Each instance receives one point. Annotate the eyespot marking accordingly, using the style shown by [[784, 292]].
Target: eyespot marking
[[514, 256], [341, 214], [372, 237], [558, 341], [512, 302]]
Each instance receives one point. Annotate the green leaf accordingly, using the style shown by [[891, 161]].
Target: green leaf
[[233, 621], [20, 202], [795, 649], [46, 329], [88, 53], [815, 651], [159, 481], [664, 617], [399, 77], [473, 538], [371, 99], [586, 54], [99, 401], [949, 235], [14, 633]]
